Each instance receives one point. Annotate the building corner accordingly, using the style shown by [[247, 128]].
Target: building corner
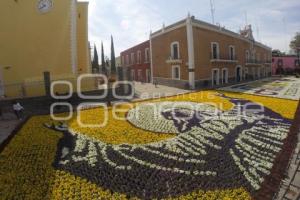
[[191, 53]]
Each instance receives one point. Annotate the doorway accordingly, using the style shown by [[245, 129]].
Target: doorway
[[215, 77], [258, 73], [133, 75], [238, 74], [140, 77], [148, 76], [224, 76]]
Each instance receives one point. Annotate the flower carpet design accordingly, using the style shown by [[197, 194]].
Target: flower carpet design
[[287, 88], [201, 145]]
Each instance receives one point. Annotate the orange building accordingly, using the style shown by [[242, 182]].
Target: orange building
[[195, 54], [137, 60]]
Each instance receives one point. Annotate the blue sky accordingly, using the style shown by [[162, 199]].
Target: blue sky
[[130, 21]]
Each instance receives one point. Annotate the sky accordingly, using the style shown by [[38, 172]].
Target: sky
[[274, 22]]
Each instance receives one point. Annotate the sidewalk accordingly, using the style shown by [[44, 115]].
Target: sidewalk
[[7, 125], [291, 192], [148, 91]]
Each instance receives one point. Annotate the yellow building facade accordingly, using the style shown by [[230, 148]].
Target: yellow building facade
[[38, 36]]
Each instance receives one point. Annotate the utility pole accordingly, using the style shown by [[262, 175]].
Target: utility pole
[[212, 7]]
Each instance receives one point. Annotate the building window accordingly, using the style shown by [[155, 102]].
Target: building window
[[252, 56], [224, 76], [247, 56], [176, 72], [127, 59], [139, 57], [215, 51], [231, 52], [258, 57], [147, 55], [132, 58], [123, 60], [175, 50], [215, 77]]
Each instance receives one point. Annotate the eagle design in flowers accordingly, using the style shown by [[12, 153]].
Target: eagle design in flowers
[[212, 149]]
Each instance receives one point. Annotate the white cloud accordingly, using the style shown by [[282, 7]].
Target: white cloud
[[272, 20], [125, 24], [130, 21]]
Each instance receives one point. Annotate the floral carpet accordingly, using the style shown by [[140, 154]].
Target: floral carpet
[[202, 145], [285, 87]]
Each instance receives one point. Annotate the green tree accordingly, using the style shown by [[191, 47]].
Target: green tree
[[95, 62], [103, 64], [295, 43], [113, 58], [277, 53]]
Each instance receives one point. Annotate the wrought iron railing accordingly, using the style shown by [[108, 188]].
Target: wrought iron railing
[[223, 57]]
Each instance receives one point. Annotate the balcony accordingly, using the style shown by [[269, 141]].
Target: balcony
[[172, 60], [254, 62], [223, 59], [268, 62]]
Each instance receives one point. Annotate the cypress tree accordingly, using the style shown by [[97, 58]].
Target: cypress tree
[[113, 58], [95, 63], [103, 66]]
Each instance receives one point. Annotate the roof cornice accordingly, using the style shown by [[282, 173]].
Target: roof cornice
[[207, 26]]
